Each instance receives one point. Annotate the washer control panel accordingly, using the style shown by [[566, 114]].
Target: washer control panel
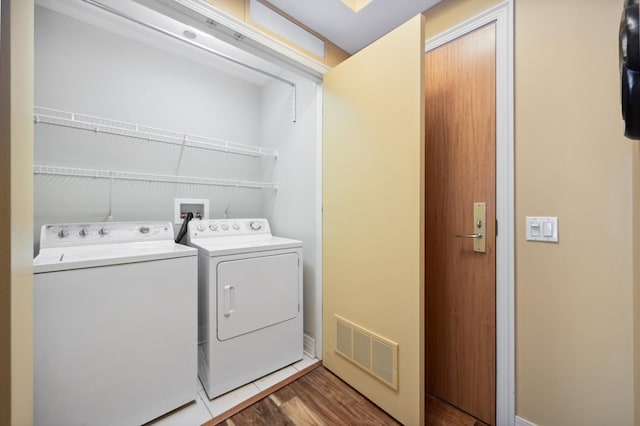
[[80, 234], [228, 228]]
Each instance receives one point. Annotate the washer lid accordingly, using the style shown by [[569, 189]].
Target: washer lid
[[91, 256], [235, 245]]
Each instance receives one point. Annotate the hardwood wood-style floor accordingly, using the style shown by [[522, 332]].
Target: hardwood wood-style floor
[[318, 398], [440, 413], [321, 398]]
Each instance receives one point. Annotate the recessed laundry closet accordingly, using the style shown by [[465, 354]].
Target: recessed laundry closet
[[138, 105], [159, 110]]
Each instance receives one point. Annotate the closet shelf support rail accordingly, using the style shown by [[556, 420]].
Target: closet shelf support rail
[[149, 177], [120, 128]]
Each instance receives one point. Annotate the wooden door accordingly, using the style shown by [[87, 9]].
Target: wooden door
[[460, 170], [373, 214]]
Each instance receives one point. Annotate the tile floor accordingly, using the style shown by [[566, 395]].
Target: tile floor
[[203, 410]]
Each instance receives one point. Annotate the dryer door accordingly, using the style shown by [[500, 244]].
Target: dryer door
[[256, 292]]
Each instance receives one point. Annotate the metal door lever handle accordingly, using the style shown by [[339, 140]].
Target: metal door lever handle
[[470, 236]]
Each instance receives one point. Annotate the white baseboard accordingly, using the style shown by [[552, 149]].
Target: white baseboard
[[523, 422], [309, 346]]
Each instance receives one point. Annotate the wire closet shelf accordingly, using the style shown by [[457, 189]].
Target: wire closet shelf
[[120, 128], [148, 177]]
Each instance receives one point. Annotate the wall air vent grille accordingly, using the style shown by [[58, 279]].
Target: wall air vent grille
[[344, 342], [371, 352]]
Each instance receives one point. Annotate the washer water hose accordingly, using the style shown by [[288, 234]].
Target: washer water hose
[[183, 229]]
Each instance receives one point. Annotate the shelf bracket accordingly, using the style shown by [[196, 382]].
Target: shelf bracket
[[294, 100], [184, 143]]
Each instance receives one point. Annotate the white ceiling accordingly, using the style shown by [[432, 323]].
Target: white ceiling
[[350, 30]]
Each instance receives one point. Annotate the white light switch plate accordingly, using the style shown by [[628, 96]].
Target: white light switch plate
[[542, 228]]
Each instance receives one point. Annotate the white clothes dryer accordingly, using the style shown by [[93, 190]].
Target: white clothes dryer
[[115, 337], [249, 302]]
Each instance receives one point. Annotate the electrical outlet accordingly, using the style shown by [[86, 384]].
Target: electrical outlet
[[199, 207]]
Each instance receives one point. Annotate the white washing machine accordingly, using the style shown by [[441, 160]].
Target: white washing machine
[[249, 301], [115, 337]]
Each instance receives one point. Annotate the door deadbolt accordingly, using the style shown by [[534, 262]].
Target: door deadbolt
[[479, 220]]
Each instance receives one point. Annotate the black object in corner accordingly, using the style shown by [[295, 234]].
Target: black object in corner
[[629, 61], [183, 229]]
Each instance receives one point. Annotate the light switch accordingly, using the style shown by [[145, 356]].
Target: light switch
[[535, 229], [542, 229]]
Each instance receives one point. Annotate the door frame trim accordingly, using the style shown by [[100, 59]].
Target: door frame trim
[[502, 15]]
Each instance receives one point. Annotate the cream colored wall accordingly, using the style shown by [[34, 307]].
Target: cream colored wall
[[636, 277], [373, 214], [5, 216], [574, 313], [16, 213], [574, 324]]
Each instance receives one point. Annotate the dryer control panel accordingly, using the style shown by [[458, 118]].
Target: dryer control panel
[[211, 228], [82, 234]]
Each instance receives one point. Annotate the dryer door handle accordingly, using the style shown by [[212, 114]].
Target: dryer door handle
[[229, 299]]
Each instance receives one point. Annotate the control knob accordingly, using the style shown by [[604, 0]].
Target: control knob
[[256, 226], [103, 231], [63, 233], [236, 226], [225, 227], [200, 227], [213, 227], [84, 232], [144, 229]]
